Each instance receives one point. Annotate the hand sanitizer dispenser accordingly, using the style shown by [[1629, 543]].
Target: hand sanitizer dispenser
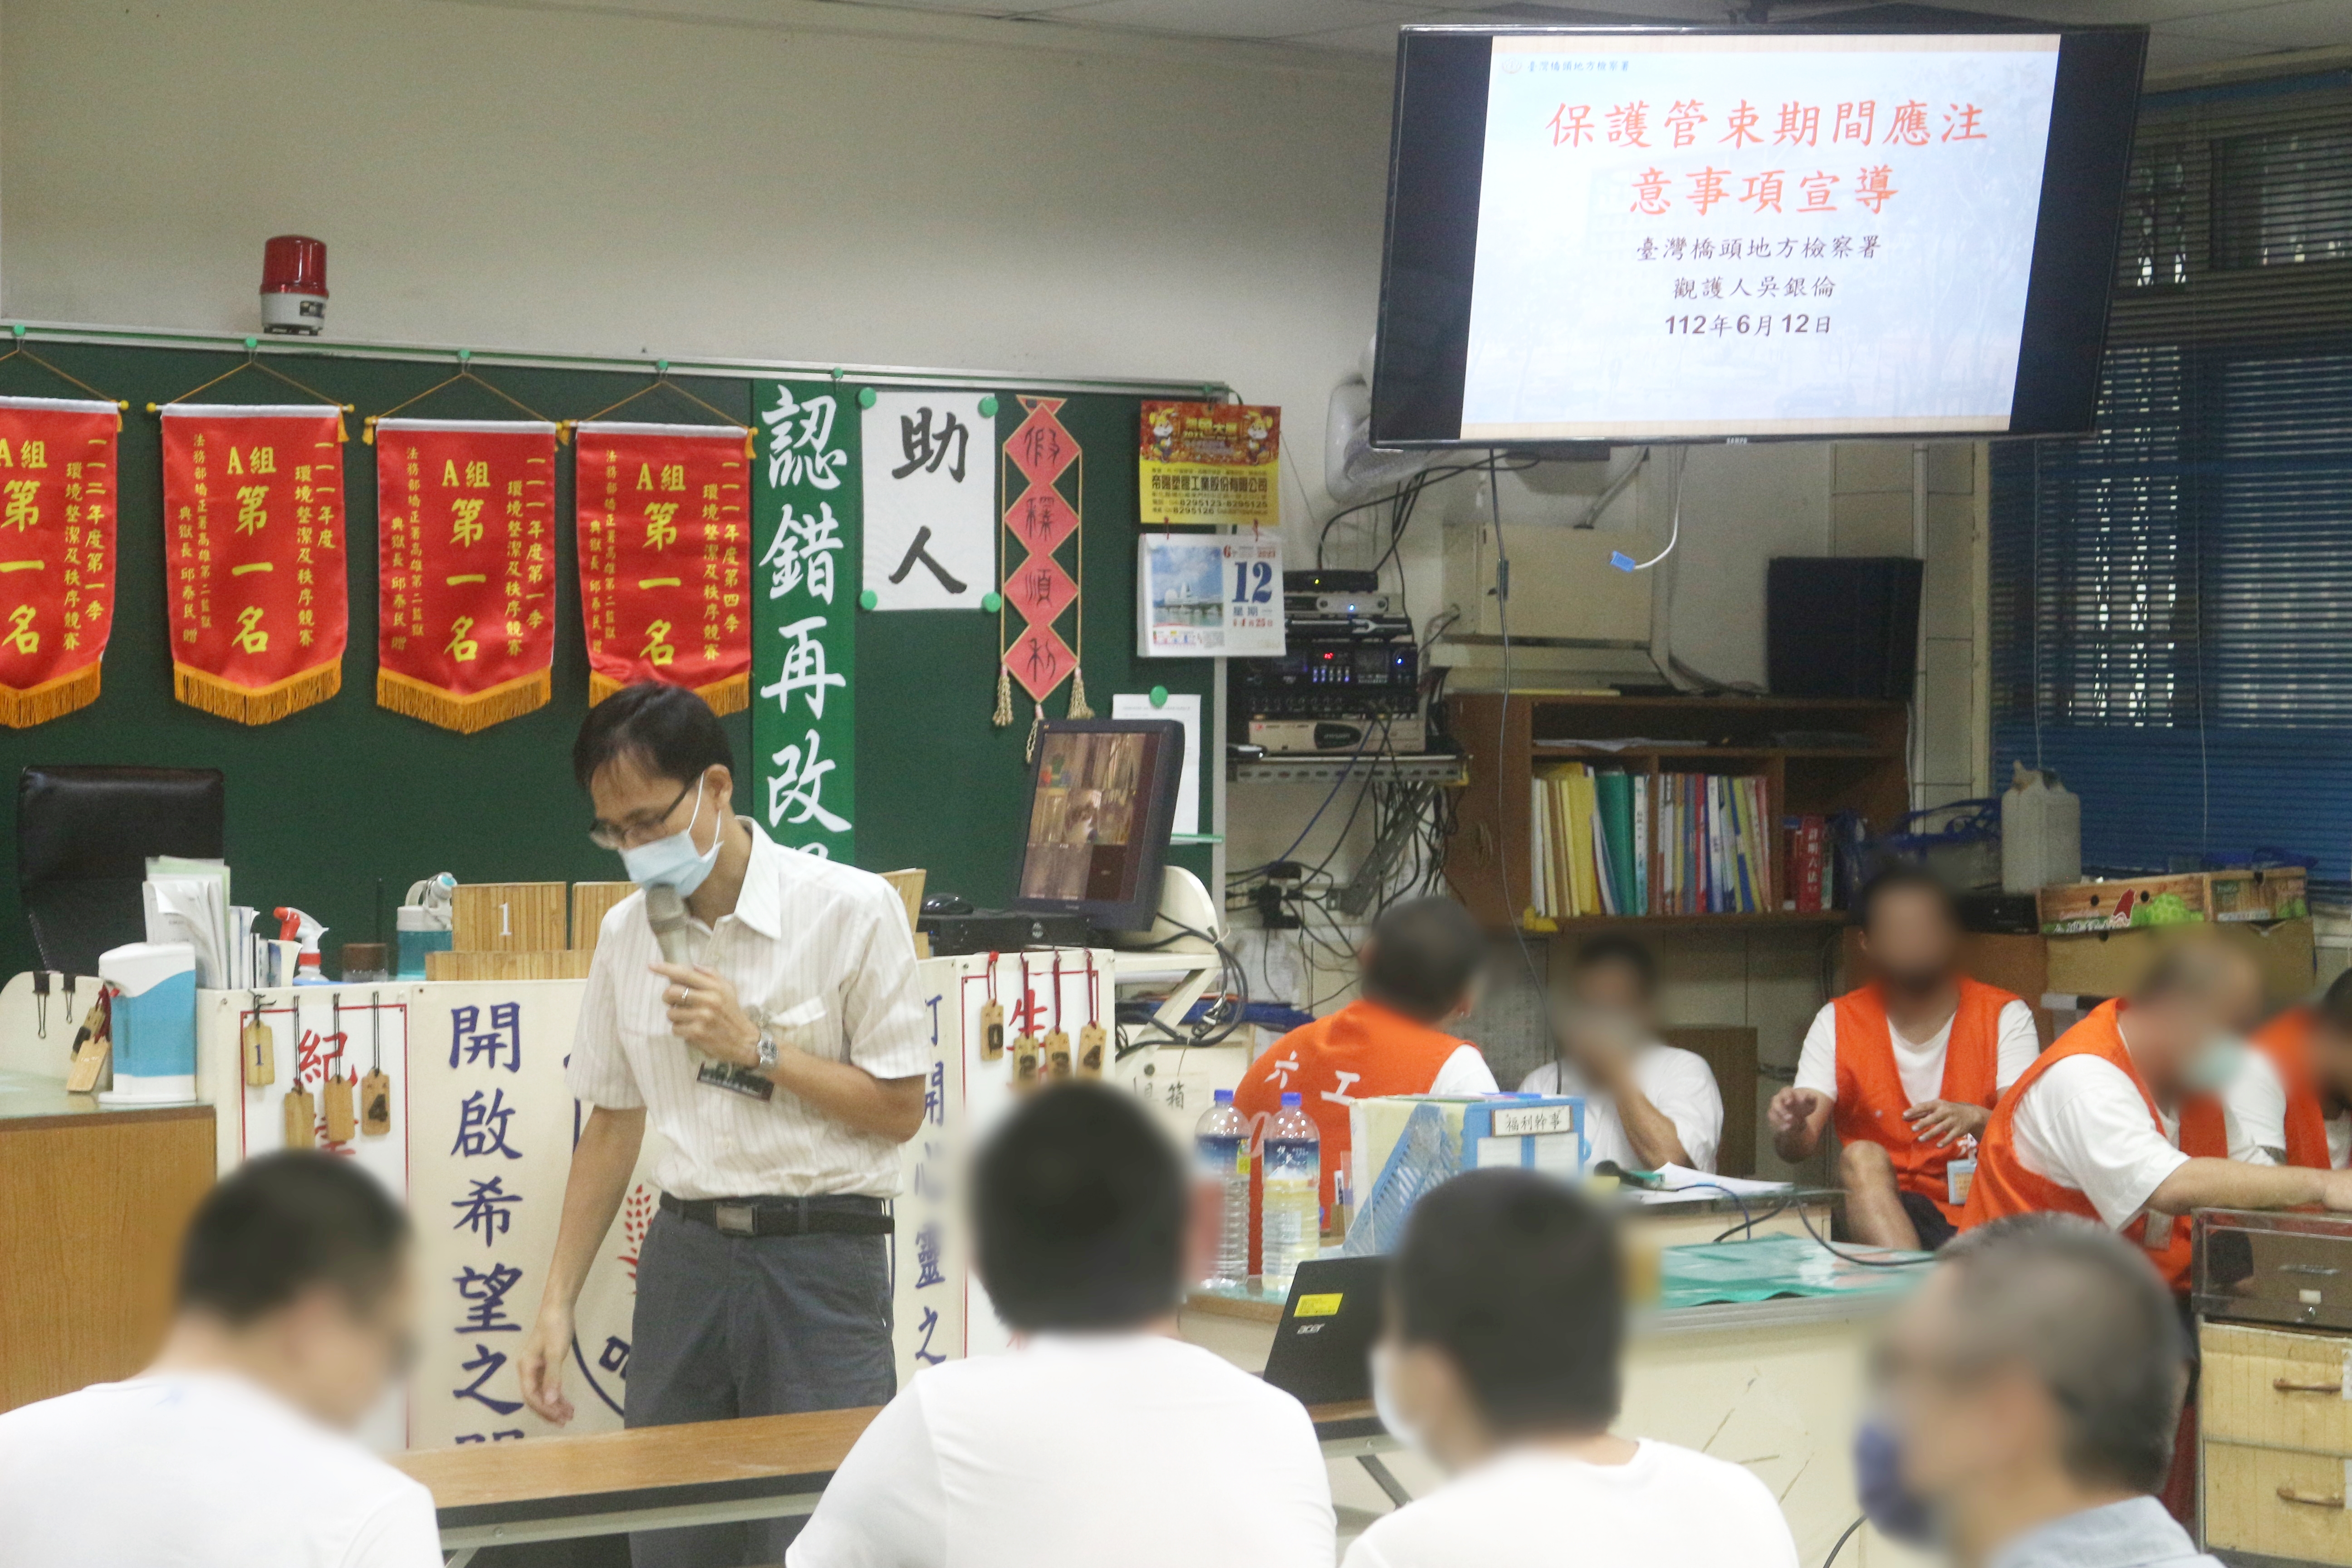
[[154, 1022]]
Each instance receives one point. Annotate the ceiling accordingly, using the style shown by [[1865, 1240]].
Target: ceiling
[[2187, 33]]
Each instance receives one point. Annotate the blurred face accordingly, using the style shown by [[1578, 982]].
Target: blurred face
[[2194, 1040], [1911, 941], [340, 1358], [1423, 1401], [1615, 987], [2331, 1061], [1959, 1428]]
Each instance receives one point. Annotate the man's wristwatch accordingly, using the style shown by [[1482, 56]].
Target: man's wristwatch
[[767, 1048]]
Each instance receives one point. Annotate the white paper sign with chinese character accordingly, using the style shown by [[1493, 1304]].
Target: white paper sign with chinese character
[[927, 1274], [1213, 596], [930, 500]]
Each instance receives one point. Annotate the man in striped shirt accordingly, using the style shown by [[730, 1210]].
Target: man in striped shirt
[[783, 1066]]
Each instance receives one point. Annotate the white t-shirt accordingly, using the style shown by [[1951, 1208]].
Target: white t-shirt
[[1075, 1450], [1678, 1083], [2083, 1125], [1919, 1064], [1466, 1073], [1666, 1507], [2255, 1104], [200, 1470]]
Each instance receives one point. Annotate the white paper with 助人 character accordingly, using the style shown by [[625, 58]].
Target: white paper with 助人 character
[[929, 471]]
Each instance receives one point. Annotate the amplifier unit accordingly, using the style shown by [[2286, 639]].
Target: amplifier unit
[[1337, 666], [1406, 736]]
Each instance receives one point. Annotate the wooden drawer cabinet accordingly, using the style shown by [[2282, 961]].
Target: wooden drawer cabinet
[[2276, 1389], [2276, 1503]]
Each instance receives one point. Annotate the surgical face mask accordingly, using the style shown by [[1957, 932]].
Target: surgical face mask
[[673, 861], [1384, 1400], [1878, 1476], [2215, 1064]]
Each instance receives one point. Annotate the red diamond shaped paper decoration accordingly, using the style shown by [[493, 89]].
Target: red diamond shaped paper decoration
[[1041, 519], [1040, 589], [1040, 660], [1039, 446]]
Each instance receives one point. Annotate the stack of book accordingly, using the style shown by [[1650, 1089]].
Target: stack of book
[[1595, 830]]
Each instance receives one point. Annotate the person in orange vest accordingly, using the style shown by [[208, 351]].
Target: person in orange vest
[[2288, 1105], [2121, 1121], [1418, 970], [1906, 1068]]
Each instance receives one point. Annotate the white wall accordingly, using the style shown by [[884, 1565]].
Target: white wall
[[753, 178]]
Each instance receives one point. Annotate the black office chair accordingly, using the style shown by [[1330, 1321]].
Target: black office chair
[[83, 837]]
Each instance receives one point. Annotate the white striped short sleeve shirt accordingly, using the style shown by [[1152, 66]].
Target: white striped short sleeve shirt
[[804, 930]]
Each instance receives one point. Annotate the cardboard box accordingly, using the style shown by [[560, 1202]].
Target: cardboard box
[[2110, 964], [2124, 903], [2263, 893]]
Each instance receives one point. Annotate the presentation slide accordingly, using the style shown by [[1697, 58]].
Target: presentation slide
[[1784, 235]]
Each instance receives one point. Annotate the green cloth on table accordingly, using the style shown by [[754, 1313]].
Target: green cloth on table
[[1771, 1266]]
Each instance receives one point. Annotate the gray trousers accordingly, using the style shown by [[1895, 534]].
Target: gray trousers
[[739, 1325]]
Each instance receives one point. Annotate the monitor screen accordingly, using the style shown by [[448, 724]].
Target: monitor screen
[[1101, 801], [1638, 236]]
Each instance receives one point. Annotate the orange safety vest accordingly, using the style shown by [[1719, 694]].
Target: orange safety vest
[[2286, 1040], [1870, 1095], [2004, 1187], [1360, 1052]]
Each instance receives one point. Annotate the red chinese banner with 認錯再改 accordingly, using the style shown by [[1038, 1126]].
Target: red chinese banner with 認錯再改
[[662, 558], [57, 553], [254, 556], [466, 556]]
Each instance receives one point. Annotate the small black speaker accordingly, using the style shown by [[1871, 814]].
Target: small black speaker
[[1842, 626]]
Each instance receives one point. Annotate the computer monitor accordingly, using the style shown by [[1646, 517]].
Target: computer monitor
[[1102, 799]]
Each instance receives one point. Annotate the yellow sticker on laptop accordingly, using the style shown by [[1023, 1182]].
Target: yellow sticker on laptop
[[1326, 1306]]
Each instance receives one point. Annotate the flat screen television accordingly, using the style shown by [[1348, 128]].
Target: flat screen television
[[1102, 799], [1640, 235]]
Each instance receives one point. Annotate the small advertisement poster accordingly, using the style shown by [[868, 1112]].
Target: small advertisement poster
[[1219, 597], [1209, 463]]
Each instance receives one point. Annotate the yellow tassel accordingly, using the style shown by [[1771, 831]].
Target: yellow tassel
[[731, 695], [50, 700], [247, 705], [466, 715], [1079, 707], [1036, 728], [1003, 714]]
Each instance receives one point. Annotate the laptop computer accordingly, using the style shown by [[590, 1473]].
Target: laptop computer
[[1323, 1344]]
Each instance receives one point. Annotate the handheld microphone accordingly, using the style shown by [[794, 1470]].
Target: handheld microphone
[[666, 913]]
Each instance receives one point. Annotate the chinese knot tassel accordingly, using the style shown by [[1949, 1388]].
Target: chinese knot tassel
[[1003, 715], [1079, 707]]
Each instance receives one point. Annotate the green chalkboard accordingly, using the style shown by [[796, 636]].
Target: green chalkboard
[[328, 802]]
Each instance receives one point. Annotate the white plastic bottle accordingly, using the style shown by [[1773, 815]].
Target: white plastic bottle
[[1290, 1228], [1221, 1145]]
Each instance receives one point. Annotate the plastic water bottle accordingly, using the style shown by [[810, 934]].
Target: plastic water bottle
[[1221, 1144], [1290, 1229]]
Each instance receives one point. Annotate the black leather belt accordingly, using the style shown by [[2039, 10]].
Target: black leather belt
[[833, 1215]]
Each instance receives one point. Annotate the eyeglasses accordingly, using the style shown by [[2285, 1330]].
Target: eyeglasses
[[622, 836]]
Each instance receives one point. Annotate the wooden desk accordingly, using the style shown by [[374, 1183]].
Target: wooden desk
[[701, 1472], [92, 1203]]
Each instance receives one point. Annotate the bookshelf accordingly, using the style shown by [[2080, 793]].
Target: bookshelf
[[1488, 857]]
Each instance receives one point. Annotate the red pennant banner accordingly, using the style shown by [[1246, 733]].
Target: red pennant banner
[[253, 555], [57, 553], [663, 559], [466, 547], [1041, 449]]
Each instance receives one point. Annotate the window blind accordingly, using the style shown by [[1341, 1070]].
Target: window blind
[[2172, 597]]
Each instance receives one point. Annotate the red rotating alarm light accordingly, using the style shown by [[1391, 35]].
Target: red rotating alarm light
[[294, 285]]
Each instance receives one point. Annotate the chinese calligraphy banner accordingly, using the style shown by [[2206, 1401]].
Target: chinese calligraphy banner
[[1209, 463], [466, 549], [931, 499], [57, 553], [807, 504], [1045, 466], [663, 565], [254, 556]]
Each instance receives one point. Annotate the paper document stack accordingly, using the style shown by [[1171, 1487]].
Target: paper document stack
[[188, 900]]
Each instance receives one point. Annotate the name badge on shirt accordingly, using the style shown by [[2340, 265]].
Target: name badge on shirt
[[1958, 1176], [2156, 1232], [736, 1079]]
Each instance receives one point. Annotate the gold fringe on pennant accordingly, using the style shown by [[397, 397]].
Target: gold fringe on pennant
[[1002, 717], [50, 700], [1036, 728], [466, 715], [249, 706], [731, 695], [1079, 707]]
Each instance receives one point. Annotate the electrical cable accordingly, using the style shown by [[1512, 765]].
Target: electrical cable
[[1856, 1259], [1841, 1539], [1503, 731], [1748, 1226]]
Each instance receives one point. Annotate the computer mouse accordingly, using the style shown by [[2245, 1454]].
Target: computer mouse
[[947, 904]]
